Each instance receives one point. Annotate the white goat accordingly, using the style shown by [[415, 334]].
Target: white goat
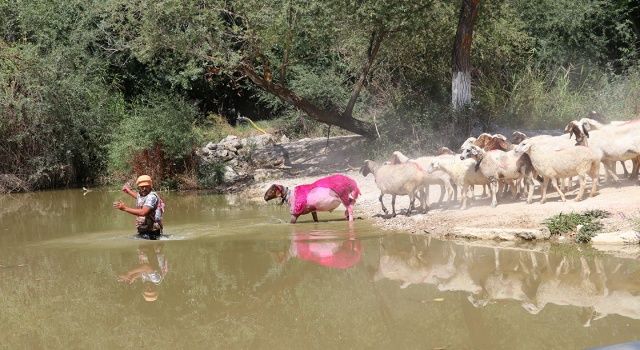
[[553, 163], [463, 173], [586, 125], [498, 165], [396, 179], [436, 178]]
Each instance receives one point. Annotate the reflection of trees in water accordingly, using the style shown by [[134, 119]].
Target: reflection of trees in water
[[45, 215], [602, 285]]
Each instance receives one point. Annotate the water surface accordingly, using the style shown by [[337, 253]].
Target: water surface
[[236, 275]]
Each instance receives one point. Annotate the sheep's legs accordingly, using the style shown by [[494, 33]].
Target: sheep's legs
[[529, 181], [464, 194], [610, 169], [424, 205], [423, 196], [554, 182], [315, 216], [545, 184], [384, 209], [411, 203], [514, 188], [543, 188], [634, 169], [393, 205], [294, 218], [593, 174], [581, 181], [455, 192], [624, 168], [449, 189], [494, 187]]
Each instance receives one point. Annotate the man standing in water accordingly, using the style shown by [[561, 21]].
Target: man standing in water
[[149, 208]]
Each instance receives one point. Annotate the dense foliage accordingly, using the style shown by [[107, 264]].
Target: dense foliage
[[87, 87]]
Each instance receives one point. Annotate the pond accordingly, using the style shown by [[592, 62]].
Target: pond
[[235, 275]]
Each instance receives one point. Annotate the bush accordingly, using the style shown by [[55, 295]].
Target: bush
[[157, 137], [567, 223], [211, 175], [56, 119]]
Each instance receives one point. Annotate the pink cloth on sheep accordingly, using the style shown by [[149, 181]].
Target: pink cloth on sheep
[[345, 187]]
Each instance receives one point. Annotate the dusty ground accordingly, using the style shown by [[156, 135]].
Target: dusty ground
[[621, 202]]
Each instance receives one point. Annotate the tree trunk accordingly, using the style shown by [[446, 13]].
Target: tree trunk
[[461, 67], [372, 52], [331, 117]]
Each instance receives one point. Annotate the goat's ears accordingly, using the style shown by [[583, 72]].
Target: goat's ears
[[572, 128], [585, 129], [273, 192], [503, 144], [365, 170]]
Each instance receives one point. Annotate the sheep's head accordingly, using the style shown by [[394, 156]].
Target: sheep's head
[[522, 147], [433, 166], [275, 191], [366, 168], [483, 139], [467, 142], [398, 158], [497, 141], [589, 124], [518, 137], [579, 130], [444, 150], [593, 115], [500, 136], [472, 151]]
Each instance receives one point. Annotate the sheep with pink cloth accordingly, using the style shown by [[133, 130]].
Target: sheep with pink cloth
[[325, 194]]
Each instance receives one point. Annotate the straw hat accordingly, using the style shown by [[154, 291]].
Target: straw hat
[[150, 295], [143, 180]]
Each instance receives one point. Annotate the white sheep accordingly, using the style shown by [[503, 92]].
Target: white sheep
[[586, 125], [436, 178], [463, 173], [498, 165], [396, 179], [553, 162]]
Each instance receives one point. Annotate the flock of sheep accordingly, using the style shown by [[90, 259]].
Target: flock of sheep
[[514, 164]]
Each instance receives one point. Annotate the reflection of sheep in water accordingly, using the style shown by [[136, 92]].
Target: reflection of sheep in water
[[533, 279]]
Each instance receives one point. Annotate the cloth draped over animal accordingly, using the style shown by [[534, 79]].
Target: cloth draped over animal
[[345, 187]]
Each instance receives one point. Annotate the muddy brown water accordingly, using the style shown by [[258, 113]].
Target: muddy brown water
[[236, 275]]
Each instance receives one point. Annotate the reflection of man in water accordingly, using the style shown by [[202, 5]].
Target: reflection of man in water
[[151, 269]]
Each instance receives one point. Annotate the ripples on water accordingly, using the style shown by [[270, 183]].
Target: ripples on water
[[237, 276]]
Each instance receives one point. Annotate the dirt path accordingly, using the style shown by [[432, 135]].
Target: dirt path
[[622, 202]]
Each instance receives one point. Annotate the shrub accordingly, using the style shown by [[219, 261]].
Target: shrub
[[156, 137], [567, 223], [211, 175]]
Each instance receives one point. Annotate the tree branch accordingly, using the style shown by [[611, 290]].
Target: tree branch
[[372, 52], [331, 117]]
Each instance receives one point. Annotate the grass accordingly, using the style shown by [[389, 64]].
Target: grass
[[567, 223]]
